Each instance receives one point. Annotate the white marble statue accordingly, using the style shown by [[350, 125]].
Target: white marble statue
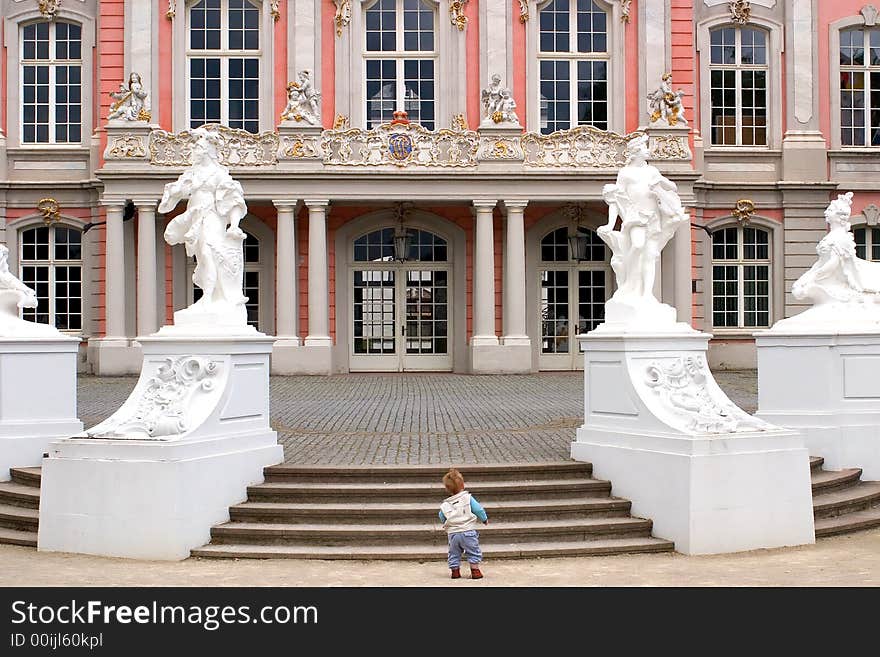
[[664, 104], [210, 230], [130, 101], [302, 101], [649, 210], [498, 103], [843, 288], [14, 297]]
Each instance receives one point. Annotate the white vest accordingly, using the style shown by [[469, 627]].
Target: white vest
[[459, 517]]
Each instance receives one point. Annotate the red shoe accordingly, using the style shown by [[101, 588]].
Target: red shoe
[[475, 573], [456, 573]]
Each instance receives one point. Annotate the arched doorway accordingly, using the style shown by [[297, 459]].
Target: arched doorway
[[400, 309], [572, 296]]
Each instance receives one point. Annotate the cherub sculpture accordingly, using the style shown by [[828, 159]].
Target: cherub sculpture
[[302, 101], [130, 101], [664, 104], [498, 103]]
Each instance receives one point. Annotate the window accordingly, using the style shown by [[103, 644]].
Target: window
[[400, 60], [738, 79], [740, 278], [51, 83], [223, 63], [867, 243], [860, 87], [573, 65], [50, 263], [251, 289]]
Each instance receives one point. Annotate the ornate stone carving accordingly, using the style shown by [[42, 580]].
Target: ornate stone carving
[[500, 148], [126, 146], [49, 8], [274, 9], [401, 144], [581, 147], [740, 11], [649, 210], [459, 122], [236, 147], [869, 13], [297, 147], [340, 122], [665, 105], [343, 15], [50, 209], [683, 387], [131, 101], [456, 14], [743, 211], [302, 101], [523, 11], [625, 6], [669, 147], [163, 407], [498, 103], [871, 214], [214, 200], [171, 12]]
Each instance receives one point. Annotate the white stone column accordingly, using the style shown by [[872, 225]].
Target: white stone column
[[319, 297], [484, 275], [515, 275], [683, 274], [114, 273], [286, 283], [147, 276]]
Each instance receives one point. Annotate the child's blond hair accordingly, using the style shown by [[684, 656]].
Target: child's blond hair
[[453, 481]]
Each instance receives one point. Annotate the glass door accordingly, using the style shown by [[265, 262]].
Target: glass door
[[374, 333], [426, 326]]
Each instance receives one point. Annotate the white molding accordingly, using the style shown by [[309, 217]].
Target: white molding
[[833, 54]]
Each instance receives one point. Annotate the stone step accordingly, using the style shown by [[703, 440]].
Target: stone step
[[432, 474], [816, 463], [19, 517], [826, 481], [26, 476], [521, 550], [429, 533], [427, 492], [849, 522], [379, 512], [18, 537], [19, 495], [858, 497]]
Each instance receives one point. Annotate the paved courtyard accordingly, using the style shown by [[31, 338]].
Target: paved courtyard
[[417, 418]]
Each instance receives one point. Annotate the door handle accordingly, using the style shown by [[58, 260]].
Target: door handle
[[403, 329]]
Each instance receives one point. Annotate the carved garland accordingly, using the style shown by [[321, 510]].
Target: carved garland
[[343, 15], [456, 14], [274, 10], [740, 11], [50, 209], [171, 12], [523, 11], [624, 11]]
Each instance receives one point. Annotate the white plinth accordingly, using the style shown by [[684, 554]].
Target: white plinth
[[150, 483], [827, 386], [37, 398], [712, 478]]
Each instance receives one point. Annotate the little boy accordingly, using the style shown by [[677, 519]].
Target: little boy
[[459, 513]]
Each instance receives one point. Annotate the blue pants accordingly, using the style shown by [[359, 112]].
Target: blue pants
[[464, 542]]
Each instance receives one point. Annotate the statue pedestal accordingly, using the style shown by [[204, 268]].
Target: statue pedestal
[[824, 384], [150, 481], [711, 477], [37, 397]]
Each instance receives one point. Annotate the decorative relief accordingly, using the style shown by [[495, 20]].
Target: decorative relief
[[274, 10], [343, 15], [871, 214], [869, 13], [400, 144], [498, 103], [340, 122], [131, 101], [682, 385], [500, 148], [49, 8], [583, 146], [669, 147], [744, 210], [298, 147], [524, 11], [126, 146], [456, 14], [163, 407], [302, 101], [171, 12], [665, 105], [740, 11], [459, 122], [50, 209], [625, 6], [236, 147]]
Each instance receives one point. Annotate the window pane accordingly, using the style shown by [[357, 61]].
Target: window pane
[[554, 28], [555, 337], [555, 89], [381, 91]]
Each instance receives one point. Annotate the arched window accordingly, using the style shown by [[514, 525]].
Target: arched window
[[50, 262], [573, 61], [400, 60], [223, 63], [867, 243], [860, 87], [51, 83], [740, 277], [252, 266], [739, 82]]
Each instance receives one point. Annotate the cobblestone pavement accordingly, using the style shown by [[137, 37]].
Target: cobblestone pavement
[[417, 418]]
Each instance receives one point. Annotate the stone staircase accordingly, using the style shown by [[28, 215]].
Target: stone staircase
[[19, 507], [842, 502], [540, 509]]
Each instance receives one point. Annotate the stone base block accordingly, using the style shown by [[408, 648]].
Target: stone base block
[[114, 356], [37, 398], [289, 358], [501, 359], [826, 387]]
